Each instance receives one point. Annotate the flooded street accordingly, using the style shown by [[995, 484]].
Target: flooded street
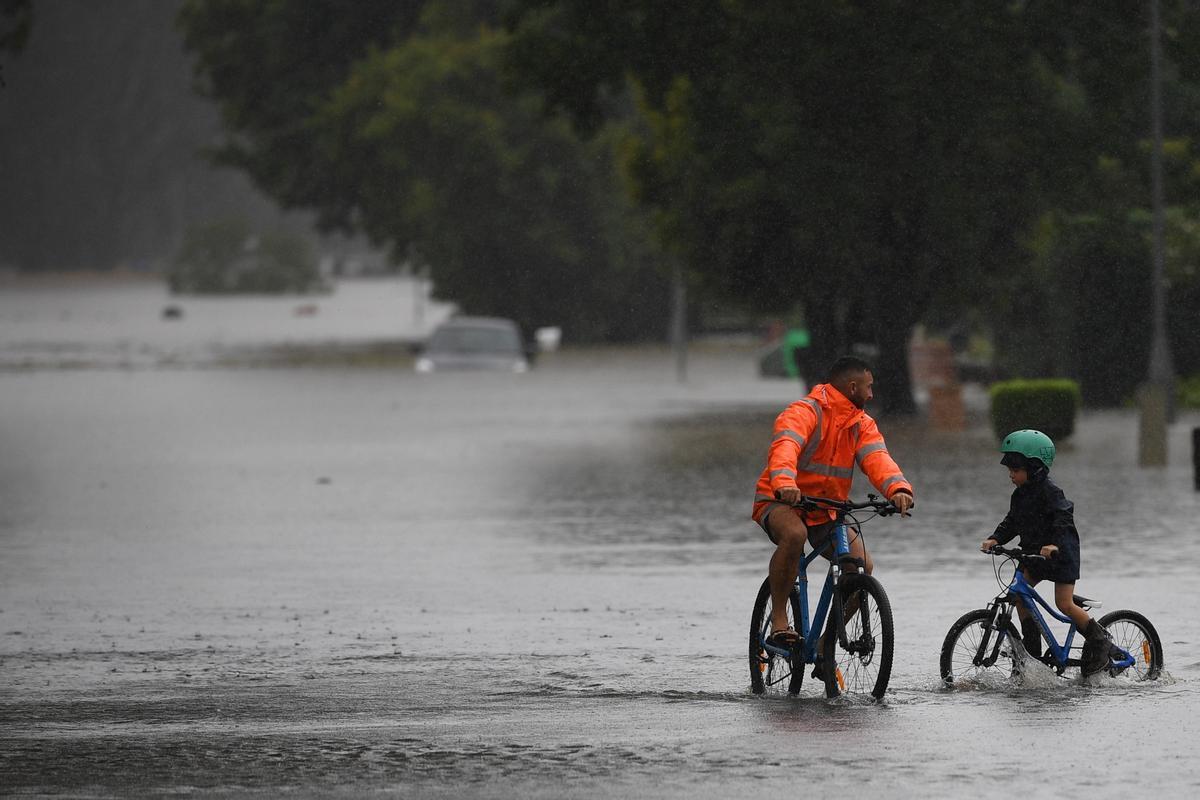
[[352, 581]]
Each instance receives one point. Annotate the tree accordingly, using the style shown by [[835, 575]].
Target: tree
[[1080, 305], [16, 18], [393, 119], [270, 66], [882, 160], [228, 256]]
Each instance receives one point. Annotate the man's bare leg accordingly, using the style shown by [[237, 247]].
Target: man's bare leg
[[790, 536]]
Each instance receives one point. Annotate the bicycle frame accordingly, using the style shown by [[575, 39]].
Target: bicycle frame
[[841, 544], [1030, 599], [1020, 591]]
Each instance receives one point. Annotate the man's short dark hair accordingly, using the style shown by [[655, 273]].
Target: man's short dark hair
[[845, 366]]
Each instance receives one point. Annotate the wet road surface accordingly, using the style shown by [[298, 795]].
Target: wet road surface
[[335, 582]]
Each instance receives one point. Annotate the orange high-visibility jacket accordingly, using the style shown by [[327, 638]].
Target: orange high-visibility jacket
[[818, 440]]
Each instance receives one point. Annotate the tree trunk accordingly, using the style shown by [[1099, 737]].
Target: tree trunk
[[828, 336], [893, 383]]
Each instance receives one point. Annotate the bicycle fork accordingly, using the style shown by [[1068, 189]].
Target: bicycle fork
[[839, 610], [993, 635]]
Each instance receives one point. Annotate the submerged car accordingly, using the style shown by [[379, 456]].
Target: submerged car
[[478, 343]]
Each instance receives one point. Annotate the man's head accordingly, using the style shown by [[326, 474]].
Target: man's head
[[852, 377]]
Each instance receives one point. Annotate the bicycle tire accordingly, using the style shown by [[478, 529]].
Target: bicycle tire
[[962, 642], [1133, 633], [770, 673], [866, 668]]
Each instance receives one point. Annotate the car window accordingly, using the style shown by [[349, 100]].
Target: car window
[[458, 339]]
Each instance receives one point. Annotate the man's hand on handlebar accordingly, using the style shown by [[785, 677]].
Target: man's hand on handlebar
[[900, 503], [903, 501], [790, 495], [988, 544]]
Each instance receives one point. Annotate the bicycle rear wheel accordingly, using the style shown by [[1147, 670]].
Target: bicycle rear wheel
[[1134, 634], [863, 665], [973, 653], [771, 673]]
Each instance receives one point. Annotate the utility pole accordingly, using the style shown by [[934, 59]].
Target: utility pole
[[1155, 394], [420, 293], [679, 321]]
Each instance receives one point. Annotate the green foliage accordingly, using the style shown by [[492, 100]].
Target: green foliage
[[406, 131], [1081, 309], [1183, 282], [206, 256], [885, 163], [227, 257], [16, 19], [1046, 405], [269, 65], [880, 160], [1188, 392]]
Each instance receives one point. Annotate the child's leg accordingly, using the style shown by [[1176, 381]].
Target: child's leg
[[1031, 636], [1022, 614], [1096, 648], [1064, 598]]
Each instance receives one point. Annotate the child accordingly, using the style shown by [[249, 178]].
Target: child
[[1045, 520]]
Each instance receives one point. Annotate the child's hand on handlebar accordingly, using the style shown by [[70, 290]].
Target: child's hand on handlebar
[[988, 544]]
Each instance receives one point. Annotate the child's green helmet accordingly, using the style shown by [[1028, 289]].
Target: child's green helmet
[[1031, 444]]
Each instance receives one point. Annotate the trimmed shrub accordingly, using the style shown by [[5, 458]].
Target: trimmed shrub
[[1047, 405], [1188, 391]]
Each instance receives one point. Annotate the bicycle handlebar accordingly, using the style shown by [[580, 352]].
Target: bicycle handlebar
[[883, 507], [1015, 553]]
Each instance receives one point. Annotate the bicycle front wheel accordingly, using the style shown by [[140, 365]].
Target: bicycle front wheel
[[974, 654], [771, 673], [861, 664], [1134, 634]]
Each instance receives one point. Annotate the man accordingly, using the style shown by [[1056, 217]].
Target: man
[[816, 444]]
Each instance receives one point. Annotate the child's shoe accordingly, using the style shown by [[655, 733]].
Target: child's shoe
[[1095, 650]]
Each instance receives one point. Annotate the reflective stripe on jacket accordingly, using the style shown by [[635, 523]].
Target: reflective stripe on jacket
[[817, 441]]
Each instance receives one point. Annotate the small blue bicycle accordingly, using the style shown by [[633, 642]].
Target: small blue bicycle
[[855, 656], [984, 647]]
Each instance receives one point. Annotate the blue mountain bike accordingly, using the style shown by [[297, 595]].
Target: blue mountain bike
[[854, 657], [985, 647]]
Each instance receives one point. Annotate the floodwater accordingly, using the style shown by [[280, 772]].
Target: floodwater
[[341, 582]]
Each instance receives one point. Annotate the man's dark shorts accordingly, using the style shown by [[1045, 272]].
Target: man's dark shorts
[[819, 536]]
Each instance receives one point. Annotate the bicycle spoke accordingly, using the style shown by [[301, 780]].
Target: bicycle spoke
[[1134, 635], [771, 672], [858, 671], [860, 663], [962, 648]]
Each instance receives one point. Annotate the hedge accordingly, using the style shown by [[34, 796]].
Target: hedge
[[1188, 391], [1047, 405]]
